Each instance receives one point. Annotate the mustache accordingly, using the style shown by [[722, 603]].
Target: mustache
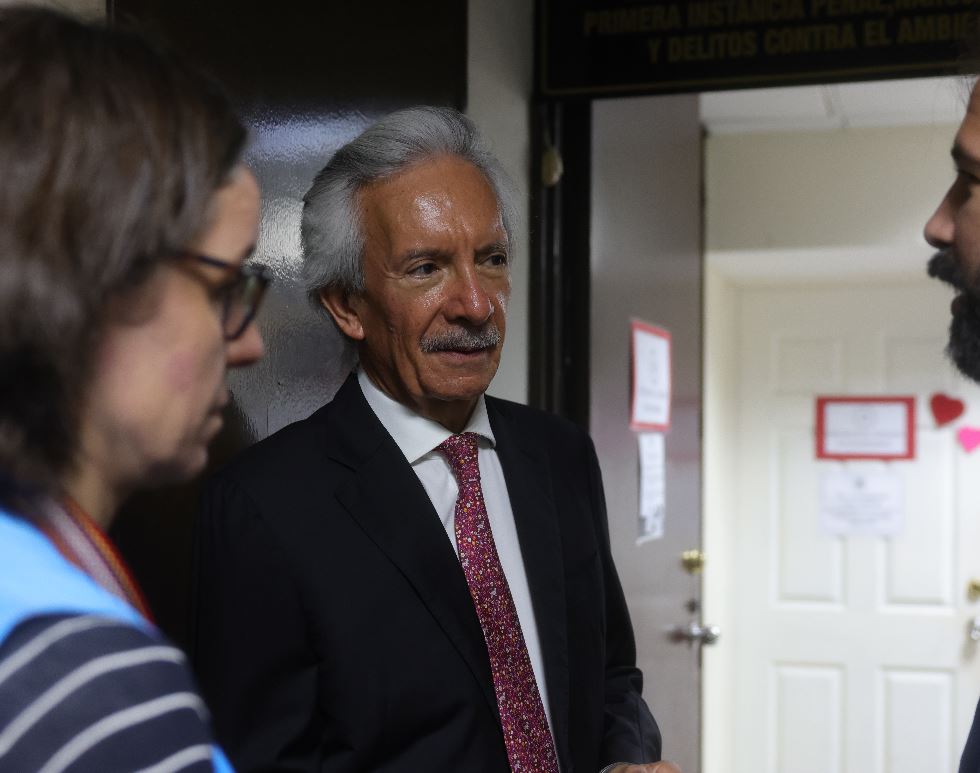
[[945, 267], [462, 339]]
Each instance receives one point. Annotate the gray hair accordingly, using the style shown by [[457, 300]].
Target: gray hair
[[332, 236]]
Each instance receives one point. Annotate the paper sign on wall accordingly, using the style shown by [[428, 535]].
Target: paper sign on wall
[[878, 428], [650, 358], [860, 500], [653, 486]]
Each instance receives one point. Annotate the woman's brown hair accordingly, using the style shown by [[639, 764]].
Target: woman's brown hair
[[110, 151]]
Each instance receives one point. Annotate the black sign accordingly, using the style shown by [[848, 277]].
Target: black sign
[[607, 47]]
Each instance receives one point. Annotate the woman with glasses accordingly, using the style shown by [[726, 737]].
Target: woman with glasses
[[126, 218]]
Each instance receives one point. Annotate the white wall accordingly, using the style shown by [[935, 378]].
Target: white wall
[[841, 191], [499, 76]]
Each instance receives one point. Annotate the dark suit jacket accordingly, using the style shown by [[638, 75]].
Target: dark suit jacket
[[334, 629], [970, 761]]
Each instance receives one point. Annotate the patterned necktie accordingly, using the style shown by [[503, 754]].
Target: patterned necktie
[[530, 748]]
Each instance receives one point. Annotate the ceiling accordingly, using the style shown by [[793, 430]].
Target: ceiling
[[914, 102]]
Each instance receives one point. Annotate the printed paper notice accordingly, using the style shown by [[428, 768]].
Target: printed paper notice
[[862, 500], [651, 378], [653, 485]]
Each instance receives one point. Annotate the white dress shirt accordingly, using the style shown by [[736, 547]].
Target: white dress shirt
[[418, 438]]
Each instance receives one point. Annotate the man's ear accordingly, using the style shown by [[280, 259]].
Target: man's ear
[[343, 309]]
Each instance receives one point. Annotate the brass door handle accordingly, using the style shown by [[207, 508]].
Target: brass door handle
[[692, 561], [973, 589]]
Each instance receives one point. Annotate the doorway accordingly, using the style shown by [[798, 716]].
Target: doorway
[[839, 653]]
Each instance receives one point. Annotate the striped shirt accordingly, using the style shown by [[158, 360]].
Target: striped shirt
[[87, 693]]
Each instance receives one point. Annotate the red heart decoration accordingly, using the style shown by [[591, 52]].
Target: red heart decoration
[[945, 409]]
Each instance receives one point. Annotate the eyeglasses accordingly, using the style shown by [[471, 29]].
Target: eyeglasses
[[240, 296]]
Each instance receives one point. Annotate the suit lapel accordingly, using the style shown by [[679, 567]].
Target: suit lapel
[[388, 501], [529, 483]]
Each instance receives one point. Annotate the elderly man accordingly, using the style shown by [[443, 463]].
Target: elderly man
[[417, 577], [954, 230]]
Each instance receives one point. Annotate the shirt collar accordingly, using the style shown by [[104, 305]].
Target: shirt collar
[[416, 435]]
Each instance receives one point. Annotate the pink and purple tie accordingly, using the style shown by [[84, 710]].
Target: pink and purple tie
[[530, 748]]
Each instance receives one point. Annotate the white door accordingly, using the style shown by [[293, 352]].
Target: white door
[[851, 654]]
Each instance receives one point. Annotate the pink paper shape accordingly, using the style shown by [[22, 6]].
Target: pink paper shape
[[969, 438]]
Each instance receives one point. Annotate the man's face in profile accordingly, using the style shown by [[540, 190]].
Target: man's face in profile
[[955, 230]]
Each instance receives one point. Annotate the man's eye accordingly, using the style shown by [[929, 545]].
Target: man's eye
[[497, 259], [423, 269]]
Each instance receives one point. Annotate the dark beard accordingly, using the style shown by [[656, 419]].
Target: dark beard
[[964, 331]]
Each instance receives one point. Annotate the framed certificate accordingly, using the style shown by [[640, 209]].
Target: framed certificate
[[865, 427]]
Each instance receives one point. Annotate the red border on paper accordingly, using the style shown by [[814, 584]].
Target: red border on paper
[[646, 327], [908, 402]]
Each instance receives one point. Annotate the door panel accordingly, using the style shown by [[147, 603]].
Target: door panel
[[646, 263], [851, 653]]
